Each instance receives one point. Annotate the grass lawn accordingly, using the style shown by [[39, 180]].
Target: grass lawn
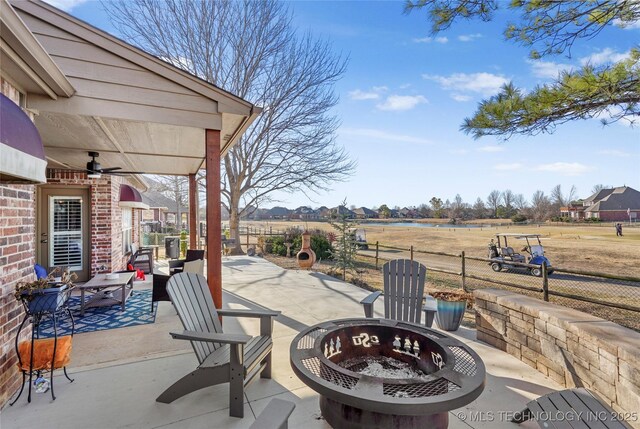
[[581, 247]]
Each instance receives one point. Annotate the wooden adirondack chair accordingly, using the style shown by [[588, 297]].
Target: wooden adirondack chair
[[403, 291], [233, 358]]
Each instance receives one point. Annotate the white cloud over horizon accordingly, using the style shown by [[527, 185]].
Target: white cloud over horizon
[[565, 168], [440, 39], [401, 102], [486, 84], [375, 134], [607, 55], [358, 94], [627, 26], [614, 152], [469, 37], [547, 69], [65, 5]]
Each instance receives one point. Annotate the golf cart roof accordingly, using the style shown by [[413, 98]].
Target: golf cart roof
[[516, 235]]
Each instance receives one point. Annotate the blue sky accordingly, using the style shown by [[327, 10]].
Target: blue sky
[[405, 94]]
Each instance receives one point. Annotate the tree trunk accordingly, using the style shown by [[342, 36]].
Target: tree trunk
[[234, 223]]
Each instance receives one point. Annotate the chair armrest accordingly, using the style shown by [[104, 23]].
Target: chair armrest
[[210, 337], [430, 304], [176, 263], [266, 318], [248, 313], [370, 299], [275, 416]]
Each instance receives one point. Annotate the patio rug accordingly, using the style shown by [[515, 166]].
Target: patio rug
[[137, 312]]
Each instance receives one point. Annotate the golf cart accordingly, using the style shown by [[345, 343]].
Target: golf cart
[[503, 256], [360, 237]]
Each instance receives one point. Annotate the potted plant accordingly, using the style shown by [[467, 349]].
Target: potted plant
[[46, 294], [451, 307]]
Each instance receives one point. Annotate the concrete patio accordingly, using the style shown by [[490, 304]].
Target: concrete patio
[[119, 373]]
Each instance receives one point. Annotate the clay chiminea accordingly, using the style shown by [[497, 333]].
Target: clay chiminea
[[306, 256]]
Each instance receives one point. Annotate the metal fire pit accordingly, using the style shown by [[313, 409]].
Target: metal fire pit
[[328, 357]]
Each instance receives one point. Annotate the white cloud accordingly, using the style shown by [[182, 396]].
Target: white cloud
[[627, 25], [428, 39], [547, 69], [508, 167], [484, 83], [469, 37], [374, 135], [372, 94], [401, 102], [363, 95], [65, 5], [491, 149], [460, 97], [565, 168], [607, 55]]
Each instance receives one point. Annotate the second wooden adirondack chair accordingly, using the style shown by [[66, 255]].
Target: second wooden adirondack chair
[[233, 358], [403, 291]]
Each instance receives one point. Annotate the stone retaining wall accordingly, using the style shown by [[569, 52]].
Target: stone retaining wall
[[573, 348]]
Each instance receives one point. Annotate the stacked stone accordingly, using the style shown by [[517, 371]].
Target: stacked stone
[[572, 348]]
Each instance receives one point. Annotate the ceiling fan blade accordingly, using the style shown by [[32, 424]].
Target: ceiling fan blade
[[107, 170], [122, 173]]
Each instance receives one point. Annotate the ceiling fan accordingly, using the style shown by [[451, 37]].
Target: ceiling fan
[[95, 171]]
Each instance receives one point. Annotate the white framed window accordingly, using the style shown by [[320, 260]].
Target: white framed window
[[65, 224], [127, 229]]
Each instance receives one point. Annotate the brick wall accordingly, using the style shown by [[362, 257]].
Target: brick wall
[[17, 257], [572, 348]]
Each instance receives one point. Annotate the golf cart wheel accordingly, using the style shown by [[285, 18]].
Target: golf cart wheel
[[537, 272], [496, 267]]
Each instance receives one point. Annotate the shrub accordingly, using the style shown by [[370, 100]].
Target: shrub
[[321, 246], [183, 242], [517, 218]]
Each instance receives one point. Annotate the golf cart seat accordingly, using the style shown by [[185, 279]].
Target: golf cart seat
[[508, 251]]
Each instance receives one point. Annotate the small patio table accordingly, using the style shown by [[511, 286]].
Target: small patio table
[[106, 292]]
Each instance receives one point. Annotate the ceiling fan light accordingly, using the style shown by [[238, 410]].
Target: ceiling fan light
[[94, 175]]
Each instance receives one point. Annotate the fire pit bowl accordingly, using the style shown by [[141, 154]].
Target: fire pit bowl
[[381, 373]]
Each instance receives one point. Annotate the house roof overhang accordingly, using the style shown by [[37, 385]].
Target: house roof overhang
[[139, 112]]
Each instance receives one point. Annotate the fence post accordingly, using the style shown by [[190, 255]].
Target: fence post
[[545, 281], [247, 237], [463, 272], [377, 251], [412, 253]]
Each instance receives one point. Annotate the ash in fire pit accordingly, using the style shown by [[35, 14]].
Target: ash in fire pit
[[383, 367], [380, 373]]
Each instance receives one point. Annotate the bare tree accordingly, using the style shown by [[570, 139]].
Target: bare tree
[[457, 207], [520, 202], [599, 187], [507, 199], [249, 48], [541, 207], [175, 188], [561, 200], [493, 201]]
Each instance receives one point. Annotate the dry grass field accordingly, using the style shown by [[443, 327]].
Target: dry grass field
[[581, 247]]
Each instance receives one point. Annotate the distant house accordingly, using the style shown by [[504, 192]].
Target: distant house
[[281, 213], [341, 211], [324, 212], [305, 213], [609, 205], [365, 213], [162, 209], [616, 204]]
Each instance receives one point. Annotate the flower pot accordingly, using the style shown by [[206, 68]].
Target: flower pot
[[45, 300], [450, 313]]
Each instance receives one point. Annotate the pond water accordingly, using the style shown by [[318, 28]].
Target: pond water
[[424, 225]]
